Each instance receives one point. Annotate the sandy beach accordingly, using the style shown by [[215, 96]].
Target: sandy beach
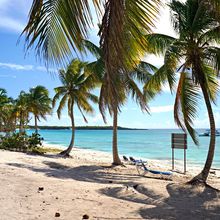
[[43, 187]]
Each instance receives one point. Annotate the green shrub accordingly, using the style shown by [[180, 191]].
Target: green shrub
[[21, 142], [35, 140], [14, 142]]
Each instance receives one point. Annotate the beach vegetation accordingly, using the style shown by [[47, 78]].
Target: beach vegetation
[[21, 142]]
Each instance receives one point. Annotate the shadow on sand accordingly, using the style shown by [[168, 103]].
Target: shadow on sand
[[92, 173], [182, 202]]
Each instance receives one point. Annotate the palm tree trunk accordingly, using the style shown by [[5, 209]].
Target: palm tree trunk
[[66, 152], [202, 177], [21, 126], [116, 159], [35, 124]]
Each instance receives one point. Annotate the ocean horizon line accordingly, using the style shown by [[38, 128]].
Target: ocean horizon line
[[92, 127]]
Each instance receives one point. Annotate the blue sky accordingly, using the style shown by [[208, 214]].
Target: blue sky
[[19, 72]]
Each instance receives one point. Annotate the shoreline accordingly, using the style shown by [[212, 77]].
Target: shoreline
[[191, 169]]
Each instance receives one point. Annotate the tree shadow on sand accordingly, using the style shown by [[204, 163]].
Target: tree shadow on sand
[[184, 202], [90, 173]]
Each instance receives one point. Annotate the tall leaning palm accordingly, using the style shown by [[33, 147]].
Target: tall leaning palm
[[39, 103], [125, 84], [75, 92], [195, 55]]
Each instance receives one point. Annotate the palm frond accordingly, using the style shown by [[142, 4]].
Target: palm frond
[[159, 43], [92, 97], [83, 103], [178, 15], [81, 111], [92, 48], [143, 72], [137, 94], [186, 102], [166, 73], [97, 69], [62, 105], [129, 19], [211, 36], [58, 27], [212, 84], [104, 102]]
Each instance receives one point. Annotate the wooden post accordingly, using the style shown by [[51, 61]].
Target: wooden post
[[172, 158], [179, 141], [185, 161], [172, 151]]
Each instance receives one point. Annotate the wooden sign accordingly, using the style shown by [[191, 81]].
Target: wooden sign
[[179, 141]]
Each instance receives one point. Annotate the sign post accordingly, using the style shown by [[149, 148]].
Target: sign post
[[179, 141]]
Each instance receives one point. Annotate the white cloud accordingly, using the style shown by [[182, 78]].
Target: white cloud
[[44, 69], [41, 68], [11, 24], [16, 66], [160, 109], [127, 109], [14, 14]]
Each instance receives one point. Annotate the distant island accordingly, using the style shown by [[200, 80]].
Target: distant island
[[82, 128]]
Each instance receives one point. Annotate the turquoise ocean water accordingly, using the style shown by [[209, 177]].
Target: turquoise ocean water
[[152, 143]]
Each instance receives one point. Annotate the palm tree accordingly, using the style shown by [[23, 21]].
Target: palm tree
[[22, 110], [57, 28], [8, 119], [3, 97], [7, 113], [75, 91], [195, 56], [39, 103], [125, 84]]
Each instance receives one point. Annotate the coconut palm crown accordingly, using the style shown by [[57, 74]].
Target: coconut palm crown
[[39, 103]]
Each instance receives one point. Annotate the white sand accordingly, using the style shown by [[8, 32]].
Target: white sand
[[86, 184]]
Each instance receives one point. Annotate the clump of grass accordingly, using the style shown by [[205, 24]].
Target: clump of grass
[[44, 150], [52, 150]]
